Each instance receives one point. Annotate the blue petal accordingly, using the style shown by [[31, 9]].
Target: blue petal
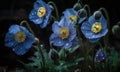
[[29, 41], [41, 2], [91, 20], [9, 40], [75, 42], [72, 32], [46, 18], [85, 27], [33, 17], [103, 22], [14, 29], [67, 44], [56, 40], [94, 40], [55, 27], [63, 22], [37, 5], [19, 49], [69, 12], [81, 20]]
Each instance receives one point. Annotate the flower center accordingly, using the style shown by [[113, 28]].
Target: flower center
[[72, 18], [96, 27], [41, 12], [20, 36], [64, 32]]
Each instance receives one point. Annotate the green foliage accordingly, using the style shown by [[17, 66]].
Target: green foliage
[[114, 60]]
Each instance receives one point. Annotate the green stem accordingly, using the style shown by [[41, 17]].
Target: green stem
[[106, 38], [107, 16], [56, 9], [27, 24], [80, 3], [41, 53], [88, 8], [79, 36]]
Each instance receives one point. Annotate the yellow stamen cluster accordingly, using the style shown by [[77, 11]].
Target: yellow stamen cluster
[[96, 27], [72, 18], [41, 12], [64, 32], [20, 37]]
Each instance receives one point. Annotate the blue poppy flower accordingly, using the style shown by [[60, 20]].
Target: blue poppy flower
[[41, 13], [70, 15], [94, 29], [73, 16], [19, 39], [100, 56], [64, 34]]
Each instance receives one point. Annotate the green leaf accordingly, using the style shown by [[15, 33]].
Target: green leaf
[[71, 50], [21, 70]]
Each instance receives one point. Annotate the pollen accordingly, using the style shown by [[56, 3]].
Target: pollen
[[72, 18], [96, 27], [41, 12], [20, 36], [64, 33]]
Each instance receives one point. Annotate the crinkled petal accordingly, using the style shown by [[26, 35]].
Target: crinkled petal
[[67, 44], [63, 22], [91, 20], [14, 29], [56, 40], [29, 41], [19, 49], [9, 40], [56, 27], [72, 32], [103, 22], [69, 12], [37, 5], [86, 26], [34, 18]]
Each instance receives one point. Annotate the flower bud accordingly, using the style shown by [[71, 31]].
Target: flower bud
[[82, 13], [116, 30], [77, 6], [100, 56], [97, 15]]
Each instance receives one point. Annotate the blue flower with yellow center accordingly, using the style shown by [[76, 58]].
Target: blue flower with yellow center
[[19, 39], [100, 56], [70, 15], [73, 16], [94, 29], [40, 13], [64, 34]]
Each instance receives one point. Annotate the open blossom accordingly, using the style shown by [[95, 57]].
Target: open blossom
[[19, 39], [70, 15], [41, 13], [94, 29], [74, 16], [64, 34]]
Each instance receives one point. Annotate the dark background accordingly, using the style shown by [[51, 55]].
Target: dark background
[[13, 11]]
